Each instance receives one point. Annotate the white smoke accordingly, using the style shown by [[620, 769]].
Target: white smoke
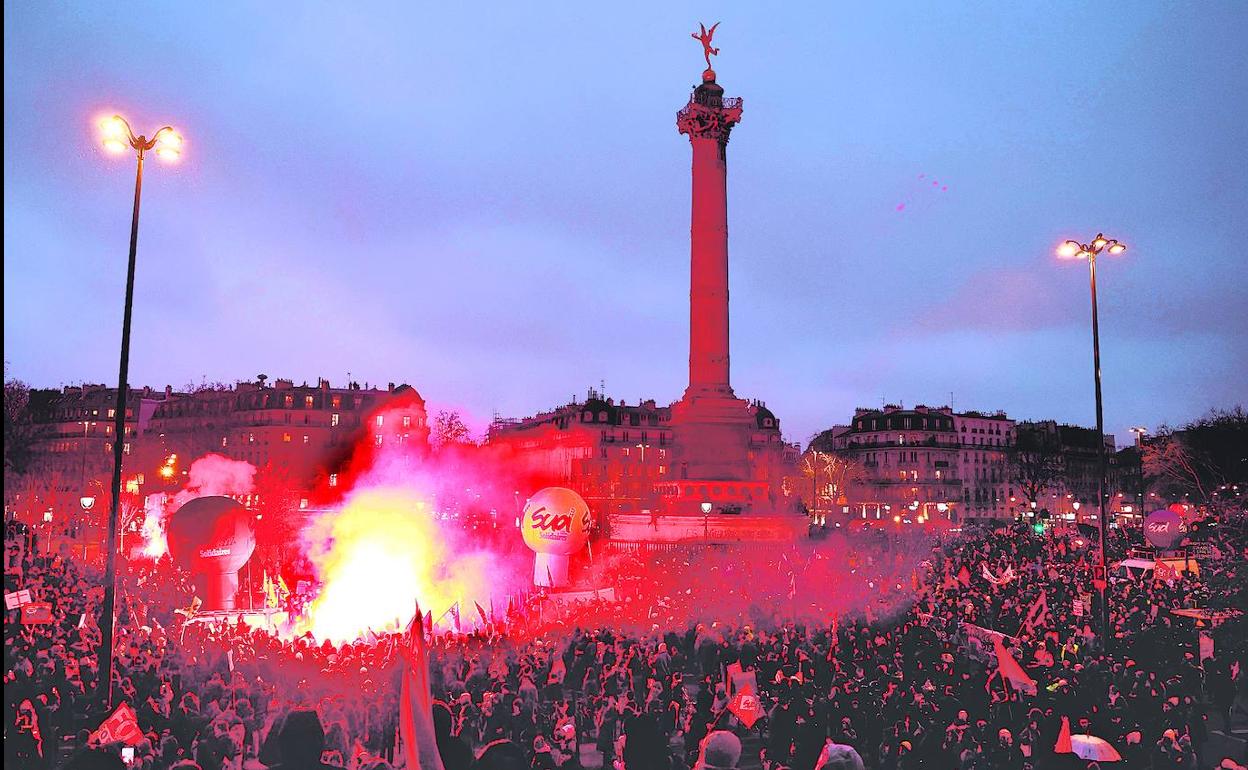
[[212, 474]]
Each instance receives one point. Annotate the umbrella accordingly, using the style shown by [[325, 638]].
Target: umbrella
[[1092, 748]]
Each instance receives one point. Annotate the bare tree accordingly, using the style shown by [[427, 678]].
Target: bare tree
[[822, 478], [1035, 464], [18, 429], [449, 430], [1170, 462]]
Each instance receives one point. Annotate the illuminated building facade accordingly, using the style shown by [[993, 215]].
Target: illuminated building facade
[[908, 460]]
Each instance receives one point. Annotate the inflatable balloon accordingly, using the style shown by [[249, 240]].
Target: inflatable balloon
[[213, 537], [1163, 528], [555, 525]]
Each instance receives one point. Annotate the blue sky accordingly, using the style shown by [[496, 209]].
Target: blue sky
[[492, 203]]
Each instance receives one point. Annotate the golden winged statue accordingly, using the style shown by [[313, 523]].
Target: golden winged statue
[[704, 37]]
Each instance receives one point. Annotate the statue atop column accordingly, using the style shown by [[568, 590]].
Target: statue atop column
[[704, 37]]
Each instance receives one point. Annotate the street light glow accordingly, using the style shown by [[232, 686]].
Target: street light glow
[[1069, 249], [1117, 248]]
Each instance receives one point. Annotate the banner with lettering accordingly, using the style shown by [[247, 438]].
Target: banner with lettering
[[122, 726]]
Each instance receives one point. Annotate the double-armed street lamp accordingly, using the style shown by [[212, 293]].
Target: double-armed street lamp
[[117, 136], [1089, 251]]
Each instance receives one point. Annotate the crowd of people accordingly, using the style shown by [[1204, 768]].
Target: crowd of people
[[875, 661]]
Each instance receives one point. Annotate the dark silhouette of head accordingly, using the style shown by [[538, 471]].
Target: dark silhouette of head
[[302, 739], [501, 755]]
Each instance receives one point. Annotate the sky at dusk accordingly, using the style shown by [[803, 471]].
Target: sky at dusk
[[491, 203]]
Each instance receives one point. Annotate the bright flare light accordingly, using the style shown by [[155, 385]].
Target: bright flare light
[[1117, 248], [384, 549]]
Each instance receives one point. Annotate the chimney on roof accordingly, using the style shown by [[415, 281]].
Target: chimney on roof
[[391, 387], [168, 391]]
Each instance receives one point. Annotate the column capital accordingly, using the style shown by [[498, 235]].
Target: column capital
[[709, 115]]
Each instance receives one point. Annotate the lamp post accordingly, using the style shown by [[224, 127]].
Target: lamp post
[[167, 143], [1140, 432], [706, 522], [1089, 251]]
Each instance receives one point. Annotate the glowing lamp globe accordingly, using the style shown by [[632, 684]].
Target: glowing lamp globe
[[213, 537], [555, 525]]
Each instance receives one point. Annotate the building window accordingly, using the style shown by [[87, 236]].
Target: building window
[[112, 413], [938, 474], [251, 438], [903, 475], [380, 419], [285, 438], [126, 447], [307, 402], [225, 441], [333, 479], [407, 421], [288, 401], [336, 402], [378, 438], [333, 420], [306, 439]]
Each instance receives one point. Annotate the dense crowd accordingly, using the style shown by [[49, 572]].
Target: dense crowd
[[863, 662]]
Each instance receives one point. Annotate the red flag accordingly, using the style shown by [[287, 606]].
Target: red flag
[[121, 726], [36, 613], [481, 611], [511, 605], [745, 706], [455, 616], [1206, 646], [1037, 615], [429, 621], [1164, 572], [1063, 739], [730, 675], [964, 576], [1009, 669]]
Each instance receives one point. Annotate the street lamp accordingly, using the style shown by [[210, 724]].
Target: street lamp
[[167, 143], [706, 521], [1089, 251]]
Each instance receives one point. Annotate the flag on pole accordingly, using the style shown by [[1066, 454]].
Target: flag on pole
[[1206, 646], [121, 726], [481, 611], [964, 576], [745, 706], [1063, 745], [1009, 670], [429, 621], [455, 616], [1037, 616]]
